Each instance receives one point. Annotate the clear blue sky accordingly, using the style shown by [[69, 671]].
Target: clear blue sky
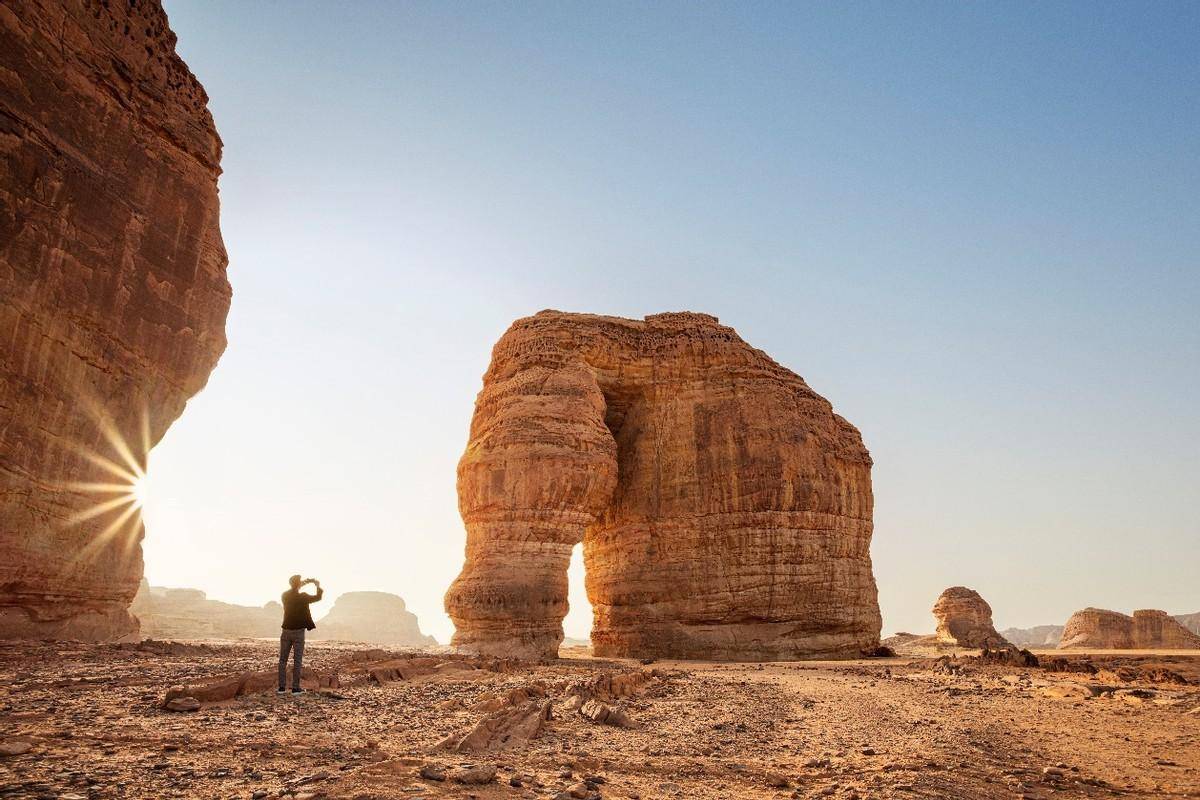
[[975, 228]]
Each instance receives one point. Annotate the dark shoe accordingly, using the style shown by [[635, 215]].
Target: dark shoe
[[297, 691], [281, 691]]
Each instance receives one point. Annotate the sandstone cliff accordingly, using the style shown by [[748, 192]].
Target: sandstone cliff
[[1147, 629], [374, 617], [113, 296], [965, 619], [724, 509]]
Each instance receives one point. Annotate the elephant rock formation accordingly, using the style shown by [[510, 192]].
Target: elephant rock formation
[[113, 297], [724, 509]]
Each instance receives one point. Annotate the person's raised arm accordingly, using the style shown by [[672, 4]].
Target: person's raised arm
[[320, 592]]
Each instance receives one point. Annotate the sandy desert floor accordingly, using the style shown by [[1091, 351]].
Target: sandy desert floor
[[83, 721]]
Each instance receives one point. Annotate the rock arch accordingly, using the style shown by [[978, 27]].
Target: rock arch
[[724, 509]]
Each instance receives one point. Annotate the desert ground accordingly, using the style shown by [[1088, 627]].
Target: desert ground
[[85, 721]]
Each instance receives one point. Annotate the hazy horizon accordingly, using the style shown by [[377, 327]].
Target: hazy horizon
[[971, 228]]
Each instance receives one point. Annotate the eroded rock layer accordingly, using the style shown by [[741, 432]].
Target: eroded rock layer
[[1147, 629], [724, 509], [964, 619], [113, 296]]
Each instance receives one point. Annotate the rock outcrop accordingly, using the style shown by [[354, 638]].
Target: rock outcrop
[[1098, 628], [113, 296], [1154, 629], [724, 509], [1147, 629], [1037, 636], [964, 619], [374, 617], [188, 614]]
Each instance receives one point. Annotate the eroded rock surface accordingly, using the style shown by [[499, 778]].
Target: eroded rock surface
[[965, 619], [373, 617], [113, 296], [724, 509], [1147, 629]]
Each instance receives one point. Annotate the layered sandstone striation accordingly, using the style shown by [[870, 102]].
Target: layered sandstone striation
[[374, 617], [723, 507], [964, 619], [1147, 629], [113, 296]]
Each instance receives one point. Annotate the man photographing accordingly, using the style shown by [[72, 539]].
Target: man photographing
[[296, 620]]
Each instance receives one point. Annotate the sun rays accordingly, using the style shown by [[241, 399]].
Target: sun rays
[[115, 500]]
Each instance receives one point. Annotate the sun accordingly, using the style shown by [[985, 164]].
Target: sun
[[115, 501], [139, 491]]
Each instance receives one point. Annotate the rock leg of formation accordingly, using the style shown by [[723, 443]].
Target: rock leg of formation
[[113, 296], [964, 619], [724, 509], [1147, 629]]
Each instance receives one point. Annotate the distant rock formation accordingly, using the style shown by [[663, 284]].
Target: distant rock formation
[[1190, 621], [374, 617], [964, 619], [1154, 629], [1147, 629], [189, 614], [1098, 628], [1037, 636], [724, 509], [113, 297]]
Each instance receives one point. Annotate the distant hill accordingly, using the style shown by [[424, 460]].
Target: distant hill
[[1037, 636]]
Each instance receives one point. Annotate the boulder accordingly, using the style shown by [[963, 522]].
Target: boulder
[[724, 508], [113, 297], [964, 619]]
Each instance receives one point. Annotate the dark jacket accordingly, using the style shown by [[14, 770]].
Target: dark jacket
[[296, 614]]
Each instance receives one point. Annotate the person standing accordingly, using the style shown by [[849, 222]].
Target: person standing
[[297, 618]]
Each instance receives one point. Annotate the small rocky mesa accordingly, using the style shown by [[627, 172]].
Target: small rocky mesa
[[374, 617], [724, 508], [1147, 629], [113, 296], [964, 619]]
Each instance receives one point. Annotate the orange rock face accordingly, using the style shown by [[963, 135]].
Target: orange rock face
[[113, 296], [724, 509], [1147, 629], [964, 619]]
